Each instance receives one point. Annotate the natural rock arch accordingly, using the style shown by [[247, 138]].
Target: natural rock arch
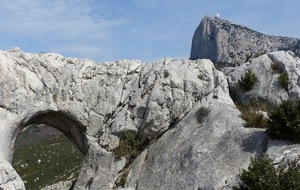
[[67, 125], [62, 121], [93, 104], [72, 95]]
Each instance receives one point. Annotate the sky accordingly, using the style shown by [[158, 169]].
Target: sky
[[146, 30]]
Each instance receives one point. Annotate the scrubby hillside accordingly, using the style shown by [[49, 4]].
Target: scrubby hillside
[[44, 156]]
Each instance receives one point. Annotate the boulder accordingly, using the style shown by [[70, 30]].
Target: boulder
[[9, 179], [267, 68]]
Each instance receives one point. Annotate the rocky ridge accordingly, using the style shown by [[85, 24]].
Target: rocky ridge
[[229, 44], [162, 102], [182, 109], [94, 104]]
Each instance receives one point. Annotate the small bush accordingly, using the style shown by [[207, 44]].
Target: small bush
[[275, 66], [284, 121], [252, 113], [129, 145], [289, 176], [262, 174], [248, 80], [121, 181], [284, 80], [202, 113], [254, 118]]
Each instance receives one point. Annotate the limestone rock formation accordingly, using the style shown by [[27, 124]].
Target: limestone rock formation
[[182, 108], [9, 179], [229, 44], [268, 69], [195, 155]]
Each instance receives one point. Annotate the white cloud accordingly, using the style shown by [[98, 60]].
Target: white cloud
[[58, 22], [110, 30], [74, 16]]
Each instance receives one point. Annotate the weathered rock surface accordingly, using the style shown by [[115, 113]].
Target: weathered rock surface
[[267, 88], [60, 185], [195, 155], [94, 104], [280, 150], [229, 44], [9, 179], [161, 102]]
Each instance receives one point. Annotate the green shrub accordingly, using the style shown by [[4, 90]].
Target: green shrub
[[284, 121], [248, 80], [284, 80], [129, 145], [289, 176], [251, 113], [123, 181], [262, 174]]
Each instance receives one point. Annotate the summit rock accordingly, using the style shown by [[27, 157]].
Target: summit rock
[[229, 44]]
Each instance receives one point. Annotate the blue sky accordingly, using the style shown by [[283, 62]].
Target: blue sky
[[148, 30]]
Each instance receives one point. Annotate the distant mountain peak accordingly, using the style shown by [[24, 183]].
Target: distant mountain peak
[[230, 44]]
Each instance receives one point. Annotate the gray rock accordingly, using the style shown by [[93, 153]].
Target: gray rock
[[280, 150], [195, 155], [9, 179], [99, 169], [60, 185], [229, 44], [93, 104], [267, 88]]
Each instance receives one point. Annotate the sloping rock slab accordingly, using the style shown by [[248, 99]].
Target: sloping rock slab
[[195, 155]]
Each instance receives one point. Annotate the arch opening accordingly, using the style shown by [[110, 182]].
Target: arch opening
[[54, 150], [63, 122]]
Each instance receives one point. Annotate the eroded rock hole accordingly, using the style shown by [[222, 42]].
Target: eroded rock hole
[[44, 156]]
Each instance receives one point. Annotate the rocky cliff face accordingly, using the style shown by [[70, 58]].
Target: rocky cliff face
[[161, 102], [183, 109], [229, 44]]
